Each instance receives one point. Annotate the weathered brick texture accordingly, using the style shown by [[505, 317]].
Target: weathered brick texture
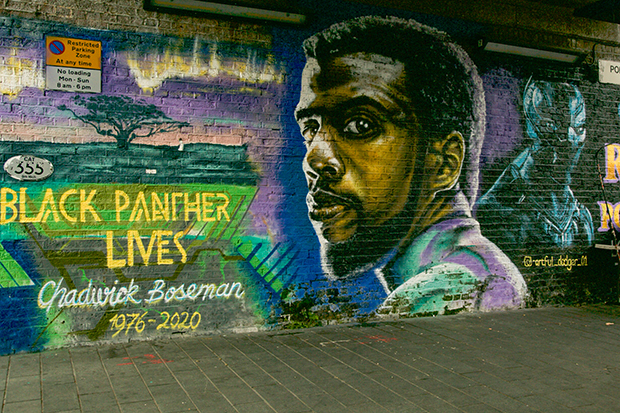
[[179, 199]]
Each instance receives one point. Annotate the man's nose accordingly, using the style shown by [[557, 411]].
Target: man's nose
[[323, 155]]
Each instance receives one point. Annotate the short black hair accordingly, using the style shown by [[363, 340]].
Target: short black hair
[[442, 80]]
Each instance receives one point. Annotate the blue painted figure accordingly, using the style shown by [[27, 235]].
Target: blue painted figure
[[392, 113], [532, 197]]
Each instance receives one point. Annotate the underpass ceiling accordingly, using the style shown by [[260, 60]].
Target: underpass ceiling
[[563, 25]]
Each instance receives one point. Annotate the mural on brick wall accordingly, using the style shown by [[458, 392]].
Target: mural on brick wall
[[135, 212], [417, 209], [533, 194], [392, 146], [295, 176]]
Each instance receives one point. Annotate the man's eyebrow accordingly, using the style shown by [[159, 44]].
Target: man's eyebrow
[[344, 106], [305, 113]]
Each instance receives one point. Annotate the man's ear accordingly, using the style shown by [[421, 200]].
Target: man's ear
[[444, 161]]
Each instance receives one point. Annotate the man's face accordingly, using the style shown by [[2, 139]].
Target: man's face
[[361, 146]]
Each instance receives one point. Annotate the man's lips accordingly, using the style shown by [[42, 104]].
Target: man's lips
[[325, 205]]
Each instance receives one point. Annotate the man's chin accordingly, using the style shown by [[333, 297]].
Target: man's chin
[[348, 258], [348, 250], [336, 231], [337, 263]]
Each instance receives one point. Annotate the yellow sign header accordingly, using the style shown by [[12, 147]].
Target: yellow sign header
[[68, 52]]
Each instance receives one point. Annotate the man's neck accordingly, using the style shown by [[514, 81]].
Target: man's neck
[[350, 259], [442, 206]]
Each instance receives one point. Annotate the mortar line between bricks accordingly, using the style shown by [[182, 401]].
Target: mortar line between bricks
[[241, 378], [365, 375], [204, 374], [319, 367], [268, 374], [175, 377], [141, 377]]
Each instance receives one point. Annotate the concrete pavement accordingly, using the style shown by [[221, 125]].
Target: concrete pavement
[[535, 360]]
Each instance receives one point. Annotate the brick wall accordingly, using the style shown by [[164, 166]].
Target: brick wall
[[178, 200]]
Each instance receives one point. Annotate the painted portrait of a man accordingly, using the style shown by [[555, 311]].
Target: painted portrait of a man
[[392, 114]]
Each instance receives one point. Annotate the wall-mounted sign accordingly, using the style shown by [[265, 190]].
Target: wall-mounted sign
[[609, 71], [28, 168], [73, 65]]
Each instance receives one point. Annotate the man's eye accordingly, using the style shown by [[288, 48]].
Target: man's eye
[[360, 128], [309, 133], [309, 130]]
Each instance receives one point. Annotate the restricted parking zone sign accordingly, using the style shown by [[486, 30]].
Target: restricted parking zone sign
[[72, 65]]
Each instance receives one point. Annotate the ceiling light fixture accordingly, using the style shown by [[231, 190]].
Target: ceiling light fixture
[[529, 52], [197, 6]]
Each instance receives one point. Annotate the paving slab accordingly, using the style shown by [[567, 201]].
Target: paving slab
[[534, 360]]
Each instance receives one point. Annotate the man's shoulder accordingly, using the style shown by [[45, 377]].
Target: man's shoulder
[[452, 266]]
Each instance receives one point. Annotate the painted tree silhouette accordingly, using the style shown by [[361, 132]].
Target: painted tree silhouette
[[123, 118]]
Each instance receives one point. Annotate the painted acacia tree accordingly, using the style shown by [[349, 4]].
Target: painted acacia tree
[[122, 118]]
